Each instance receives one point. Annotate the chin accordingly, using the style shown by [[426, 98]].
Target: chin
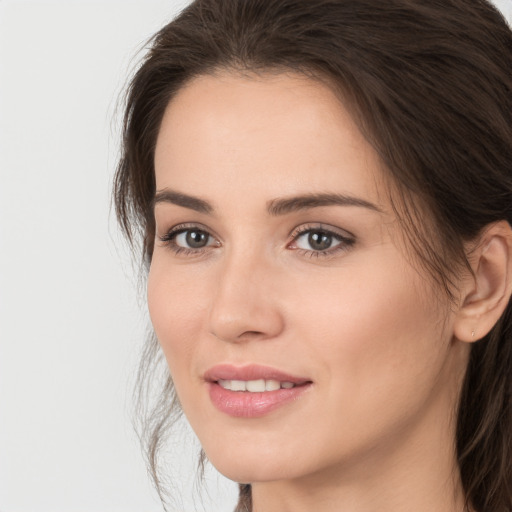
[[247, 473], [258, 464]]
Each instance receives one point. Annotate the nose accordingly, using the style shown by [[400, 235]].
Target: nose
[[245, 303]]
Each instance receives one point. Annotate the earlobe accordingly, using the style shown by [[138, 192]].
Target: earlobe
[[486, 293]]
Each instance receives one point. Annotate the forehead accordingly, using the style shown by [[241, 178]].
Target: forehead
[[275, 134]]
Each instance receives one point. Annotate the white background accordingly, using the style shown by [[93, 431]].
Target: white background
[[70, 324]]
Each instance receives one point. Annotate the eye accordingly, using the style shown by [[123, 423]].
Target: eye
[[192, 239], [188, 240], [319, 241], [316, 241]]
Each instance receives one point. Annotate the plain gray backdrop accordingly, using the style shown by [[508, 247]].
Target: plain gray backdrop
[[70, 323]]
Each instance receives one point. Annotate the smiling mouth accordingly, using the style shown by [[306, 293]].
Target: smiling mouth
[[254, 398], [253, 391], [255, 386], [253, 378]]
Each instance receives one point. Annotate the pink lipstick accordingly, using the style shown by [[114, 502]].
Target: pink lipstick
[[252, 391]]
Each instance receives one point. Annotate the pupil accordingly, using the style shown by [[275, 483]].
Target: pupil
[[196, 239], [319, 241]]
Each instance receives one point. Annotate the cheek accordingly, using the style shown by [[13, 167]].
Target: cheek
[[176, 306], [376, 327], [376, 342]]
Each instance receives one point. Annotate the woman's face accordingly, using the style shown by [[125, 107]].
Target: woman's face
[[278, 262]]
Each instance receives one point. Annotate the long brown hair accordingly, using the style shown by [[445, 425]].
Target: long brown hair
[[429, 83]]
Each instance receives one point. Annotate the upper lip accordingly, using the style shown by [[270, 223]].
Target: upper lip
[[250, 372]]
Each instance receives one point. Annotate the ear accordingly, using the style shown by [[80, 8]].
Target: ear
[[486, 293]]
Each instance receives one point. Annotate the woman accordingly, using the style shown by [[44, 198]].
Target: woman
[[324, 194]]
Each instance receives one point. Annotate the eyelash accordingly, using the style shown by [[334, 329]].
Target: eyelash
[[169, 240], [344, 242]]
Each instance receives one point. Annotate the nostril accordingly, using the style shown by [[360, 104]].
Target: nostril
[[246, 335], [249, 335]]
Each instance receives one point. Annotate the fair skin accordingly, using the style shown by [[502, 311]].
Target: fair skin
[[383, 354]]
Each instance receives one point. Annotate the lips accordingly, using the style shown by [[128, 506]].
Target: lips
[[252, 391], [251, 372]]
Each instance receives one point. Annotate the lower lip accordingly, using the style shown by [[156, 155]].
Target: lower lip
[[245, 404]]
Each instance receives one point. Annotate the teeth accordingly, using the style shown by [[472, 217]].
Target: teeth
[[238, 385], [272, 385], [226, 384], [255, 386]]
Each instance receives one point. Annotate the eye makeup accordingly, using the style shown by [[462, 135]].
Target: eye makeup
[[313, 240]]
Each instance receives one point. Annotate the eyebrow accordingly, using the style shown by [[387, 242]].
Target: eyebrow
[[304, 202], [275, 207], [184, 200]]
